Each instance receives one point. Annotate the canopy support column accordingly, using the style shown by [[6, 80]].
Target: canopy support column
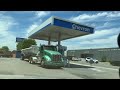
[[59, 39], [49, 39], [59, 43]]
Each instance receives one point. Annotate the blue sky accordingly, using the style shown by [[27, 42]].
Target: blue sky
[[19, 23]]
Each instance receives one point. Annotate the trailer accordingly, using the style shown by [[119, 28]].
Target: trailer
[[30, 54]]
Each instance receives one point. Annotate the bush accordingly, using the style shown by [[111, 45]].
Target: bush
[[115, 63]]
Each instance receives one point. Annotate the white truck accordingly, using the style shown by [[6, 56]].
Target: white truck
[[30, 54]]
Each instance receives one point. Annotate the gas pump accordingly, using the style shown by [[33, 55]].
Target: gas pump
[[61, 49]]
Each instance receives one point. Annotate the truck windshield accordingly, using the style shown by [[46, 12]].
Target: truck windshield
[[53, 48]]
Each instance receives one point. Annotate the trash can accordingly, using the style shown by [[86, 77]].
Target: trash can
[[18, 54]]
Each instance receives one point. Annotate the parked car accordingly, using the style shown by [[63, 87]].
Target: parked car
[[88, 59], [95, 61], [76, 59]]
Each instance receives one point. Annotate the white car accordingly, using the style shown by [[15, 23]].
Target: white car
[[76, 59], [88, 59], [95, 60]]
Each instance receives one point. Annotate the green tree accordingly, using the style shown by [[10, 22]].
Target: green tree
[[26, 44], [5, 48], [19, 46]]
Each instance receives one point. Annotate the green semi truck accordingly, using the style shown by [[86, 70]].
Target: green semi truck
[[46, 55]]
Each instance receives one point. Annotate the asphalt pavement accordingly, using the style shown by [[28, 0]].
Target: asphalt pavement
[[14, 68], [102, 70]]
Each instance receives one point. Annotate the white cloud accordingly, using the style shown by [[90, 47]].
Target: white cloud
[[5, 23], [100, 39], [6, 37], [96, 43], [41, 14], [102, 16], [9, 41], [105, 25], [41, 42], [97, 35], [2, 12], [114, 14], [87, 17], [32, 27]]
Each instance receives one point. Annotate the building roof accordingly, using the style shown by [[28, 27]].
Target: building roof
[[114, 48]]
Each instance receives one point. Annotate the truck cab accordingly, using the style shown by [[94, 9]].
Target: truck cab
[[50, 56]]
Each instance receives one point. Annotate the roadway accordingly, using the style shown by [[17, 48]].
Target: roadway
[[12, 68], [102, 70]]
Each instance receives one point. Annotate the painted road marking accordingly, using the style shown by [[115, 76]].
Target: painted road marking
[[96, 66], [98, 70]]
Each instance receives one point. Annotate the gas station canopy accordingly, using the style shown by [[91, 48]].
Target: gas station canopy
[[54, 26]]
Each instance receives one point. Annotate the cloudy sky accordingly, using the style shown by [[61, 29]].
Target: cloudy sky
[[19, 23]]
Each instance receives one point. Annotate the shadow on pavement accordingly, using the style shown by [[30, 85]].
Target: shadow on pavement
[[54, 68], [71, 66], [48, 67], [78, 66]]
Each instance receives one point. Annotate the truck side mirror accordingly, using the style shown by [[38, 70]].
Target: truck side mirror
[[41, 49], [118, 40]]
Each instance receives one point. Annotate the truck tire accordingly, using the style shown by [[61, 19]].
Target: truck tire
[[22, 57], [96, 62], [30, 60]]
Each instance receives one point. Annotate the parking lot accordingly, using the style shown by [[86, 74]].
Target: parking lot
[[16, 68], [12, 68], [102, 70]]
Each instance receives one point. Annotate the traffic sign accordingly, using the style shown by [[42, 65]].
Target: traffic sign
[[19, 39]]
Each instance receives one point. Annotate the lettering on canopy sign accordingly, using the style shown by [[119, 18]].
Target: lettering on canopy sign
[[77, 27]]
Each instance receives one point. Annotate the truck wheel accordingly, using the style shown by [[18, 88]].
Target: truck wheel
[[30, 61], [96, 62], [22, 57]]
